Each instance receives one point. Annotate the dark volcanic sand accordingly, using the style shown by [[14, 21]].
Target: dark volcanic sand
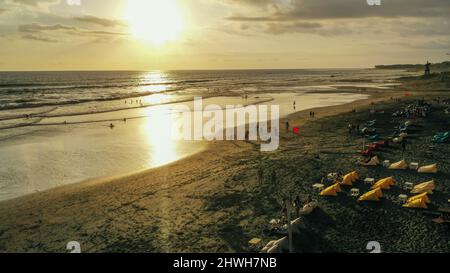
[[340, 224], [211, 202]]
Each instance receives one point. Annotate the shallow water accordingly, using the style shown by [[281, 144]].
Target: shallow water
[[46, 156]]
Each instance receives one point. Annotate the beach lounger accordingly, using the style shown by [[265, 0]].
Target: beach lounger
[[441, 137], [382, 143], [371, 123]]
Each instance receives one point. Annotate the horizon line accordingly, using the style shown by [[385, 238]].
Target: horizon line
[[195, 69]]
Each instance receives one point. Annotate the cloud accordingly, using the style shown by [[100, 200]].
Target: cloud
[[332, 17], [35, 27], [35, 3], [100, 21], [305, 27], [39, 38], [347, 9], [39, 32]]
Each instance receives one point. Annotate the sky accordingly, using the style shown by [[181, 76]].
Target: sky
[[220, 34]]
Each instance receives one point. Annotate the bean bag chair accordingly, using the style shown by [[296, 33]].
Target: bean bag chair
[[384, 184], [374, 161], [330, 191], [382, 143], [422, 196], [416, 204], [337, 187], [355, 175], [372, 147], [426, 187], [428, 169], [373, 196], [401, 165], [349, 178], [397, 140]]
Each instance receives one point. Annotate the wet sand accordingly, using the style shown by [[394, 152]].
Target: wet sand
[[211, 201]]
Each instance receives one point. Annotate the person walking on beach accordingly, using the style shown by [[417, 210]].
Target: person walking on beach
[[403, 146], [297, 203], [273, 178], [313, 114], [260, 176], [283, 213], [287, 126]]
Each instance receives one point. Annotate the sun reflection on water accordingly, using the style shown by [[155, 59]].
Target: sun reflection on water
[[154, 81], [157, 129]]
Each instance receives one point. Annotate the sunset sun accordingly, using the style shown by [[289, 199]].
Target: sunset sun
[[154, 21]]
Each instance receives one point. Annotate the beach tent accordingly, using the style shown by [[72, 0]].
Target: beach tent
[[374, 161], [426, 187], [384, 184], [373, 195], [417, 203], [401, 165], [422, 196], [428, 169]]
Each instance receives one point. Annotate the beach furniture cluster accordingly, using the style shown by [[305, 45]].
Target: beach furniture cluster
[[421, 192]]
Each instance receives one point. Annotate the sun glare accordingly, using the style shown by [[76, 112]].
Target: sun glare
[[155, 21]]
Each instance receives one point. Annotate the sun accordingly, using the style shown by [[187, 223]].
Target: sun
[[155, 21]]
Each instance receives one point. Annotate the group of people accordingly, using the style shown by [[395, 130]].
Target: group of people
[[414, 110], [352, 128], [297, 203], [137, 101]]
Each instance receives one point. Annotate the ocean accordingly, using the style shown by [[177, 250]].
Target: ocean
[[55, 126]]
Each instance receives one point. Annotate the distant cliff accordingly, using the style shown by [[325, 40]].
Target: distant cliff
[[436, 67]]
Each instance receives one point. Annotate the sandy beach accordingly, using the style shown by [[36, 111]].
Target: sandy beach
[[212, 202]]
